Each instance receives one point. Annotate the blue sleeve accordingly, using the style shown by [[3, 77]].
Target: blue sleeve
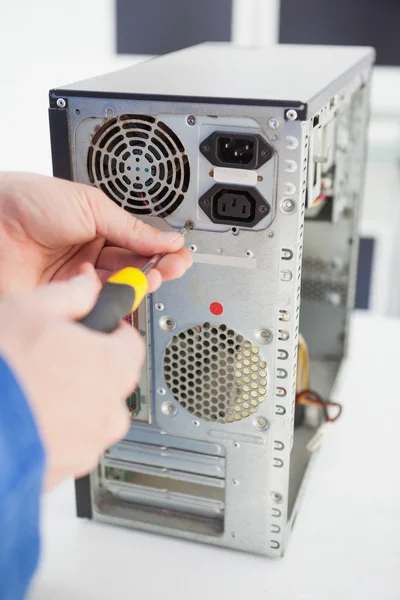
[[21, 476]]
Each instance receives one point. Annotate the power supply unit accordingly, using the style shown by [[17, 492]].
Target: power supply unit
[[263, 149]]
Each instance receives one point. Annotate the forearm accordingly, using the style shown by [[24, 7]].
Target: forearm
[[21, 475]]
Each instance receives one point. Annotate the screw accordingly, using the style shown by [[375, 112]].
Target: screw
[[334, 298], [263, 209], [289, 188], [347, 213], [291, 166], [169, 409], [291, 142], [291, 115], [206, 148], [191, 120], [235, 481], [159, 306], [274, 138], [260, 177], [288, 206], [192, 247], [249, 253], [264, 336], [206, 202], [61, 103], [77, 111], [273, 123], [196, 423], [219, 251], [277, 498], [286, 275], [236, 444], [167, 323], [261, 424], [270, 234], [161, 391], [211, 173]]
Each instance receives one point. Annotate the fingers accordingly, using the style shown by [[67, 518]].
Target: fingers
[[170, 267], [173, 266], [126, 353], [87, 254], [123, 229], [71, 299], [89, 270]]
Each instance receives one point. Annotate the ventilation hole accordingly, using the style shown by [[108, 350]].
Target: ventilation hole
[[102, 130], [138, 143], [166, 202], [155, 152], [170, 172], [161, 174], [115, 191], [172, 135], [105, 189], [223, 393], [129, 117], [186, 173], [137, 137], [97, 165], [136, 125], [106, 169], [120, 149], [106, 138], [161, 194], [114, 166], [166, 141], [114, 142], [154, 189], [160, 147], [121, 185], [109, 159], [90, 164]]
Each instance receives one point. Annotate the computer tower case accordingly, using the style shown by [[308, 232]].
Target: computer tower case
[[264, 149]]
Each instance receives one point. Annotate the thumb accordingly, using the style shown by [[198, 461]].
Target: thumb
[[71, 299]]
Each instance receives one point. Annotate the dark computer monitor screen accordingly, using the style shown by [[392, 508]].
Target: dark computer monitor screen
[[160, 26], [344, 22]]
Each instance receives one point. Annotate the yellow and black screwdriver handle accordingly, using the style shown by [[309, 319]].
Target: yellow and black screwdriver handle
[[121, 294]]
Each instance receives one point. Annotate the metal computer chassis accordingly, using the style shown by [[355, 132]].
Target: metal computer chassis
[[213, 453]]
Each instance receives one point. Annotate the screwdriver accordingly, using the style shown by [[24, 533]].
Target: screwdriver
[[122, 293]]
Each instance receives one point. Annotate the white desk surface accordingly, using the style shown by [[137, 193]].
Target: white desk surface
[[345, 543]]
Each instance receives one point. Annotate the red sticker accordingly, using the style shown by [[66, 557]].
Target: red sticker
[[216, 308]]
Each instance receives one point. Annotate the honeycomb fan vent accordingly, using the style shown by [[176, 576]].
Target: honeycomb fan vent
[[140, 163], [215, 374]]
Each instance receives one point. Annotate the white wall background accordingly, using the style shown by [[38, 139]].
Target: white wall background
[[45, 44]]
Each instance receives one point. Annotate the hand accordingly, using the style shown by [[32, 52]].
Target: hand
[[51, 229], [76, 380]]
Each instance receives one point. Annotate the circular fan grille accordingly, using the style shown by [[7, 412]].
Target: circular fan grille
[[215, 373], [140, 163]]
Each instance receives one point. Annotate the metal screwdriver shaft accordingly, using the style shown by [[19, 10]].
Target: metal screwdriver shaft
[[122, 294], [156, 259]]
